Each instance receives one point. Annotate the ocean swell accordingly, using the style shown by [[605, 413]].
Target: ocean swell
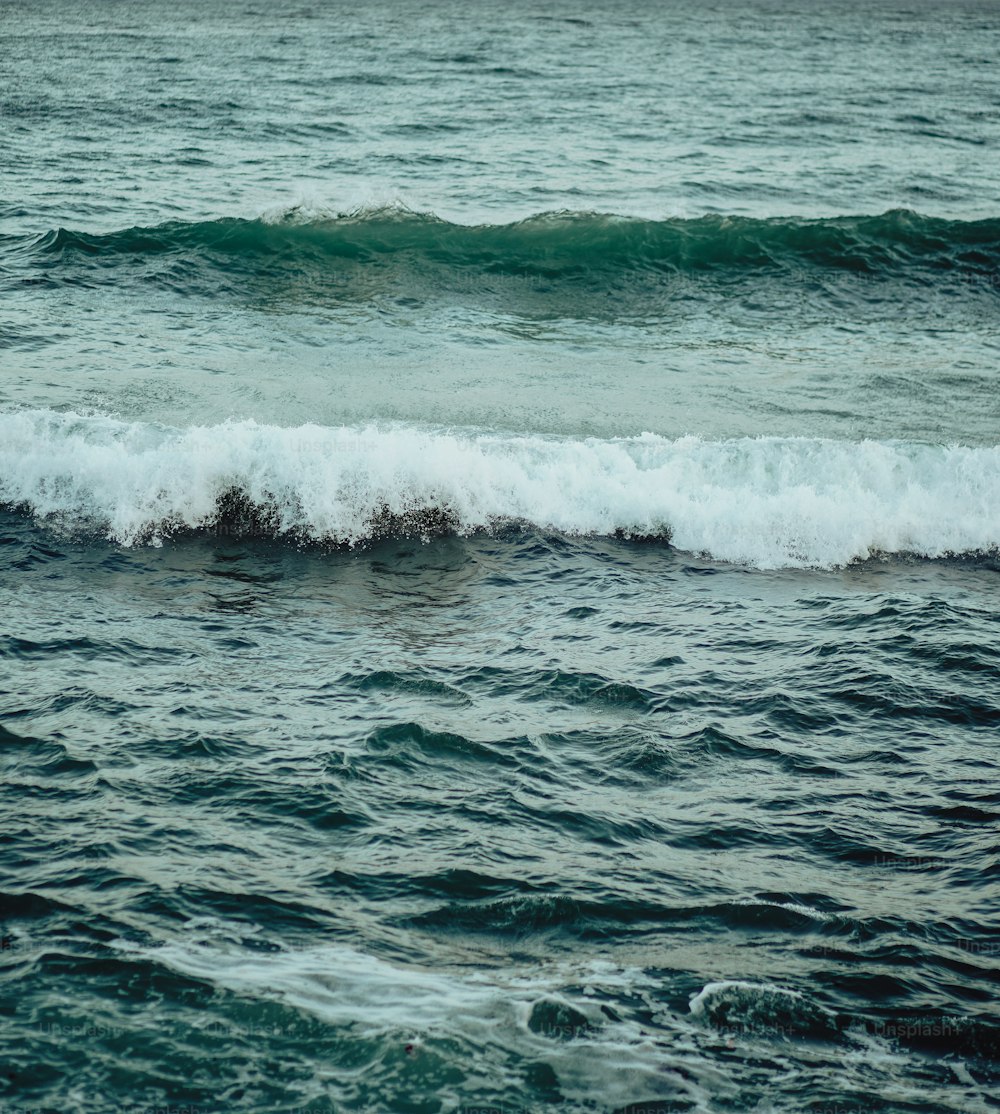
[[560, 245]]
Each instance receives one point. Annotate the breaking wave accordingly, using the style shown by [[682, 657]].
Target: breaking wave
[[767, 502]]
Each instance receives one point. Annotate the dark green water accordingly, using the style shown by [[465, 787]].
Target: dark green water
[[499, 528]]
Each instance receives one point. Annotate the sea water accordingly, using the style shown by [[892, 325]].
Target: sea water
[[500, 511]]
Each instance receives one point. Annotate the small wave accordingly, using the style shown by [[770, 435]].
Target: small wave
[[759, 1009], [767, 502]]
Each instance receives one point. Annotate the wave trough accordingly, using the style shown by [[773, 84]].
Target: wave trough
[[767, 502]]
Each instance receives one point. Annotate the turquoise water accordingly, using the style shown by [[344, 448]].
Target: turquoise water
[[500, 515]]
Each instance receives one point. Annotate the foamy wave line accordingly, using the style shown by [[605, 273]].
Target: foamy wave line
[[768, 502]]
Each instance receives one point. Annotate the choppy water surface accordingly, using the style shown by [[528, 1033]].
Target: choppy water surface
[[500, 517]]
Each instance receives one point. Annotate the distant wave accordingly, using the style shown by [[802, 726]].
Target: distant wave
[[552, 246], [766, 502]]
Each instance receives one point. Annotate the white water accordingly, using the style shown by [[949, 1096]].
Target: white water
[[767, 502]]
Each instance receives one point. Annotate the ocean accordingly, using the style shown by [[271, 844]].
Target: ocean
[[499, 557]]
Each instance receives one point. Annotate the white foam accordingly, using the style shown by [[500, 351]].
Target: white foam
[[310, 208], [361, 996], [769, 502], [790, 906]]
